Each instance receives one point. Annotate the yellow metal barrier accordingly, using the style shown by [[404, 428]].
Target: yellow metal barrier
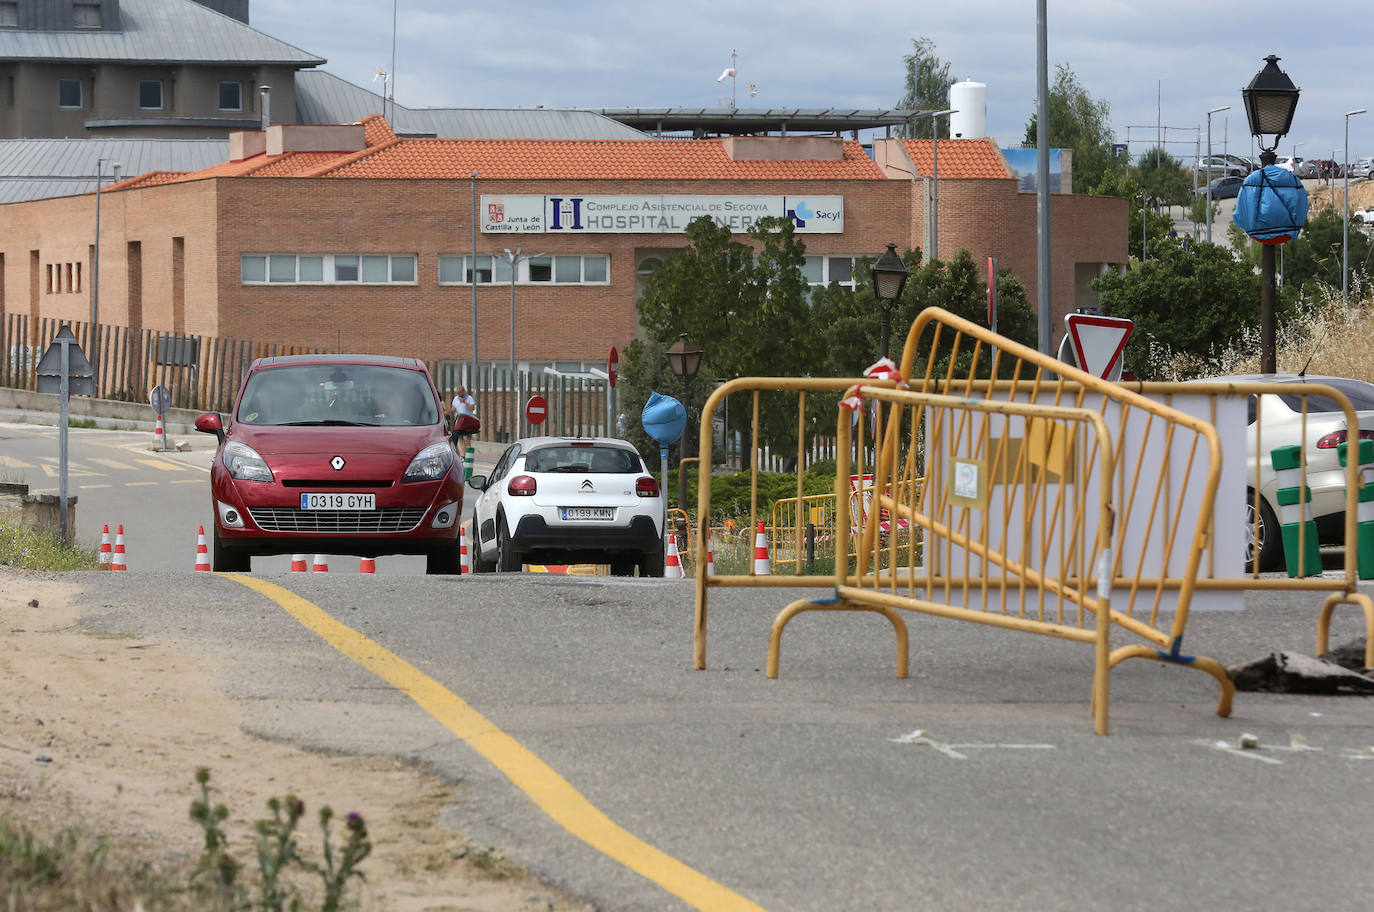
[[789, 543], [1014, 522]]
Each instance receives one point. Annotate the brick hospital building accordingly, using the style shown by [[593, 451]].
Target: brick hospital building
[[351, 238]]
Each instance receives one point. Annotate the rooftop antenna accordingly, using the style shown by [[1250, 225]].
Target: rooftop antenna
[[391, 81], [385, 78], [730, 71]]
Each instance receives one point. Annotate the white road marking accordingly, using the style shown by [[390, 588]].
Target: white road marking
[[919, 737], [1227, 747], [139, 484]]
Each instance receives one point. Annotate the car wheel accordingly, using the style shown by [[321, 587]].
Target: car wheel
[[479, 563], [1269, 544], [651, 562], [228, 560], [508, 560], [448, 561]]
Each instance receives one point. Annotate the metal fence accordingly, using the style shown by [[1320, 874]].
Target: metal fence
[[203, 373]]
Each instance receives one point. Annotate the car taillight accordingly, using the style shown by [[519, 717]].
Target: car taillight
[[1336, 438], [645, 486], [521, 486]]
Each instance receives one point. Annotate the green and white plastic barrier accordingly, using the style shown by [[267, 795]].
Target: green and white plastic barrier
[[469, 453], [1364, 529], [1301, 551]]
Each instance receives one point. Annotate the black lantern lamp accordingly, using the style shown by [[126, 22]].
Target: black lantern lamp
[[684, 357], [1270, 100], [889, 278]]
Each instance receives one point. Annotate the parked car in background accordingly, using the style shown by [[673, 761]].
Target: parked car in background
[[1219, 165], [1307, 169], [1280, 419], [568, 500], [1241, 162], [1363, 168], [1287, 162], [336, 454], [1223, 188]]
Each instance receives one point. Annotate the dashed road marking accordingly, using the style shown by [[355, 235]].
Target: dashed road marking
[[110, 463], [10, 462], [161, 464], [952, 751], [92, 486], [139, 484]]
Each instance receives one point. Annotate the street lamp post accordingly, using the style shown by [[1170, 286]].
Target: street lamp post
[[514, 259], [934, 253], [1209, 167], [684, 357], [889, 276], [94, 340], [1270, 100], [1345, 238]]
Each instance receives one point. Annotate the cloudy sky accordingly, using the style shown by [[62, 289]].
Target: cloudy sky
[[1153, 61]]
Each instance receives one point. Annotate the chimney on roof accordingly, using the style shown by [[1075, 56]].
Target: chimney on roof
[[246, 143], [266, 106], [784, 148], [283, 138]]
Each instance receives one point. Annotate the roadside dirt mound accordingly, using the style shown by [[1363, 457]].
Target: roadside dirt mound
[[106, 733]]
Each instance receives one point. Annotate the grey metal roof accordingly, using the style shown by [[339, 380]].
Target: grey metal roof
[[40, 168], [158, 31], [325, 98], [759, 120]]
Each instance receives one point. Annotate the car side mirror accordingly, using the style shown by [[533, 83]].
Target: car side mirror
[[478, 482], [211, 423]]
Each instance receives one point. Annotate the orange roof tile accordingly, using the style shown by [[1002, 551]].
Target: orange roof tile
[[150, 179], [959, 158], [376, 131], [516, 159], [295, 164]]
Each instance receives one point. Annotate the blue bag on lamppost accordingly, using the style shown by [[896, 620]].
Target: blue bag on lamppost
[[664, 419], [1271, 206]]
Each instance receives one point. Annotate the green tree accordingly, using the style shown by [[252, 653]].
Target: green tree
[[745, 305], [1315, 255], [927, 89], [1081, 123], [1188, 299], [1125, 183], [1164, 179]]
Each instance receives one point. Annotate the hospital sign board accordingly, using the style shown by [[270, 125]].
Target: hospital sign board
[[653, 214]]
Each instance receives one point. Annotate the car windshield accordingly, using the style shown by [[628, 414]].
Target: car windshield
[[1361, 396], [590, 458], [338, 395]]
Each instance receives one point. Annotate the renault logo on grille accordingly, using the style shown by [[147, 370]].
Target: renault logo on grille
[[587, 485], [338, 463]]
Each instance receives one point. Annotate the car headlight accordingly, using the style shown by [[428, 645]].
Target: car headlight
[[430, 464], [244, 463]]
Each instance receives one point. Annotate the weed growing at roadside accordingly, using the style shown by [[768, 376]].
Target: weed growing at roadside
[[84, 423], [217, 872], [29, 549]]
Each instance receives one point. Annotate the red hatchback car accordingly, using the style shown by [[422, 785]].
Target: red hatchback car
[[336, 454]]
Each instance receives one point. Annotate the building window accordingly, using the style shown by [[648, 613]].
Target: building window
[[555, 270], [9, 14], [86, 15], [231, 96], [327, 269], [69, 93], [150, 94], [822, 270]]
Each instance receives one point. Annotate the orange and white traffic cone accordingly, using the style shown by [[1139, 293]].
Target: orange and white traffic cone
[[298, 563], [105, 552], [202, 552], [464, 564], [672, 561], [321, 565], [762, 567], [117, 563], [710, 557], [367, 565], [159, 435]]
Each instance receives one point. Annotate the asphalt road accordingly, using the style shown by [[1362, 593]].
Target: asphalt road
[[975, 784]]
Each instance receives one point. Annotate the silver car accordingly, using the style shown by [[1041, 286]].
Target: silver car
[[1279, 419]]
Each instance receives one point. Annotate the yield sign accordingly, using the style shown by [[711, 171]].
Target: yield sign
[[1097, 343]]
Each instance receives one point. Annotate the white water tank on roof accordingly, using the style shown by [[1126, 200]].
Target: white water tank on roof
[[970, 100]]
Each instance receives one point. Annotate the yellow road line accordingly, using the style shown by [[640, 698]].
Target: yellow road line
[[533, 776], [89, 487], [10, 462], [139, 484], [110, 463], [188, 481], [162, 464]]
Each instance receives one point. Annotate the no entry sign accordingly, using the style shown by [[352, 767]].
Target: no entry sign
[[536, 410]]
